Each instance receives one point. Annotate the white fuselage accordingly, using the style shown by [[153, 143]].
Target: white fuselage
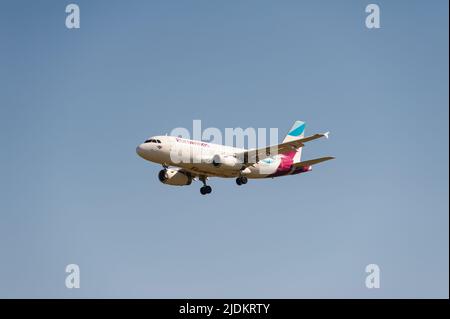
[[197, 156]]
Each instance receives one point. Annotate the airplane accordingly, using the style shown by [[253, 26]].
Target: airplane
[[185, 160]]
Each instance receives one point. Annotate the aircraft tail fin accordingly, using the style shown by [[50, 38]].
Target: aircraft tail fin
[[297, 131]]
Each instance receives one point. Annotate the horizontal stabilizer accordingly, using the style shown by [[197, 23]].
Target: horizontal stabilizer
[[313, 161]]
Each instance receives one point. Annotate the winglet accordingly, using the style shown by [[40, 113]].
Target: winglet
[[326, 134]]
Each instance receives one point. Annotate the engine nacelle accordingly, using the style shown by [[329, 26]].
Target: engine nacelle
[[227, 162], [174, 177]]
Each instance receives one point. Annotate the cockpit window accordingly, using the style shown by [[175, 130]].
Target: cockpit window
[[153, 141]]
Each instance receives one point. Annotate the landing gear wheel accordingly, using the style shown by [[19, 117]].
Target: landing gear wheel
[[241, 180], [205, 190]]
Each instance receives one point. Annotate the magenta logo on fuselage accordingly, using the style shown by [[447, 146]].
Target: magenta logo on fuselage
[[181, 140]]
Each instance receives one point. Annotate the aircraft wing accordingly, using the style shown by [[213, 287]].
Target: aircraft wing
[[254, 155], [313, 161]]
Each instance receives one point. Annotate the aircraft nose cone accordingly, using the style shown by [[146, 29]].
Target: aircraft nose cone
[[140, 150]]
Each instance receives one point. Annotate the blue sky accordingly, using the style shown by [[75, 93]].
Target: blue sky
[[75, 103]]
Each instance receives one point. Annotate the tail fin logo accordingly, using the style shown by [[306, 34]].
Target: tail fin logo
[[297, 129]]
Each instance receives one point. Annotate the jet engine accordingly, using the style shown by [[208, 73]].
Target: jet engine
[[227, 162], [174, 177]]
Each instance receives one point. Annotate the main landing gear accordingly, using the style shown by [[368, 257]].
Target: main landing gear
[[241, 180], [206, 189]]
